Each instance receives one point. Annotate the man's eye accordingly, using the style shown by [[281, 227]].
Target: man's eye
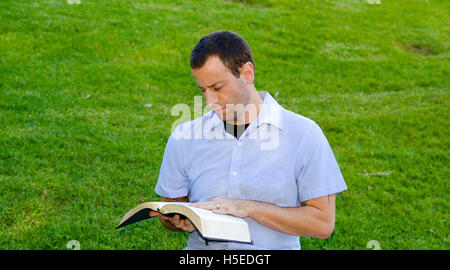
[[217, 89]]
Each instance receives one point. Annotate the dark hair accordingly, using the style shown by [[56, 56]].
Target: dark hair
[[231, 48]]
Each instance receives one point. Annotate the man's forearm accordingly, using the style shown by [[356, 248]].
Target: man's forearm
[[303, 221]]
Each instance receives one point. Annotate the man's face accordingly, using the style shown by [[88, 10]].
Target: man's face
[[221, 87]]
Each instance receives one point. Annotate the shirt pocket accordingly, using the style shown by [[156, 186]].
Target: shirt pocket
[[205, 184]]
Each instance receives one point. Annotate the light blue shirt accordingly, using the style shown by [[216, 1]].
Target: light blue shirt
[[282, 158]]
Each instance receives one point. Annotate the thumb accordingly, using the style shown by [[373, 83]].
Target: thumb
[[154, 214]]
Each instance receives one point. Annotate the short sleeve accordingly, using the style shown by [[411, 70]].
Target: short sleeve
[[319, 172], [172, 180]]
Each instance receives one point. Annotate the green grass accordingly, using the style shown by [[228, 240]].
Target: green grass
[[78, 146]]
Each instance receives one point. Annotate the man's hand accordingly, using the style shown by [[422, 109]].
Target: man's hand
[[223, 206], [176, 222]]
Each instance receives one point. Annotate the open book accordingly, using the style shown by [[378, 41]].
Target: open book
[[209, 225]]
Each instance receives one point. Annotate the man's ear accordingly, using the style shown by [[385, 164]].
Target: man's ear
[[248, 72]]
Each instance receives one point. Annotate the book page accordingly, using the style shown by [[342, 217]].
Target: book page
[[204, 213]]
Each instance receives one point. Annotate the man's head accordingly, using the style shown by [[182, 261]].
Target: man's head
[[231, 48], [222, 64]]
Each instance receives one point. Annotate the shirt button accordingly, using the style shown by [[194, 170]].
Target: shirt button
[[234, 173], [239, 143]]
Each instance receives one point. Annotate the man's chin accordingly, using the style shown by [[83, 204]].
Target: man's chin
[[221, 113], [224, 117]]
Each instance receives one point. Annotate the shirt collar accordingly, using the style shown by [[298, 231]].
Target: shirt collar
[[270, 113]]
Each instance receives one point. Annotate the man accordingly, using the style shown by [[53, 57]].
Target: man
[[284, 189]]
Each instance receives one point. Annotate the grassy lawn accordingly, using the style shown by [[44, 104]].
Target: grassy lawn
[[86, 93]]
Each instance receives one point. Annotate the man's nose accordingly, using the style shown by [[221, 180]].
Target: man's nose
[[211, 98]]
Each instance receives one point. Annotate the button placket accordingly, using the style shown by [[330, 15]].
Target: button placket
[[234, 172]]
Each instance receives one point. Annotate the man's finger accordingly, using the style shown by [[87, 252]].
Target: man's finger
[[187, 225], [221, 211], [206, 205], [175, 220], [183, 223], [154, 214]]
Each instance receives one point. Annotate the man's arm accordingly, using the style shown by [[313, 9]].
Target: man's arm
[[315, 218], [176, 223]]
